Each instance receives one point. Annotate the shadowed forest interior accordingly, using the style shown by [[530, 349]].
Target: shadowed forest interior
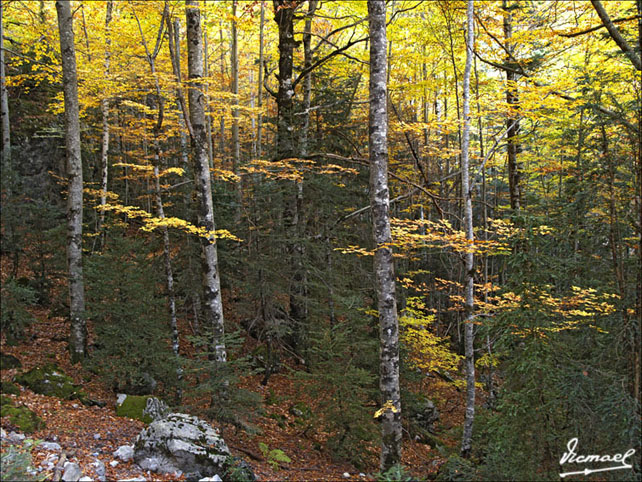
[[371, 240]]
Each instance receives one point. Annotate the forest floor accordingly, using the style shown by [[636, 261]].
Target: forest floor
[[89, 433]]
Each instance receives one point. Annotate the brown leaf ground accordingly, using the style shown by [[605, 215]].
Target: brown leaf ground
[[90, 433]]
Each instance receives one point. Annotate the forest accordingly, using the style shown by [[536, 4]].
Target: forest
[[321, 240]]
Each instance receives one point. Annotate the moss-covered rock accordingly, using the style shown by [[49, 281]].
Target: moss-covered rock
[[133, 406], [9, 361], [8, 388], [50, 380], [23, 418]]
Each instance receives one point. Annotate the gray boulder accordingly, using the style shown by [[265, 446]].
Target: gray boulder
[[52, 446], [99, 468], [124, 453], [72, 472], [155, 408], [181, 443]]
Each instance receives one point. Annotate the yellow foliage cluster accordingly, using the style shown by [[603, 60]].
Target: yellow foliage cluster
[[580, 308], [427, 351], [293, 169], [387, 407], [151, 223]]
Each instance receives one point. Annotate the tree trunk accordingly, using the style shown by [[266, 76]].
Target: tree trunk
[[617, 37], [307, 82], [512, 123], [158, 198], [78, 338], [466, 442], [236, 145], [284, 17], [4, 98], [211, 281], [259, 127], [174, 31], [383, 261], [206, 67], [286, 148], [222, 119], [104, 110]]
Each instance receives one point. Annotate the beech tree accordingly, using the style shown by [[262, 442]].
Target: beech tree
[[466, 189], [4, 98], [78, 338], [213, 304], [383, 261]]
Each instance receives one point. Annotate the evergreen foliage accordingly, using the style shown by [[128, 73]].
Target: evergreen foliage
[[129, 317], [14, 317]]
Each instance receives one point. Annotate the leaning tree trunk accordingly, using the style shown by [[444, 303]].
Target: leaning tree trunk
[[78, 338], [213, 304], [383, 261], [466, 442]]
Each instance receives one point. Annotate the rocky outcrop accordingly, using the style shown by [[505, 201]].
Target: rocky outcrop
[[180, 443]]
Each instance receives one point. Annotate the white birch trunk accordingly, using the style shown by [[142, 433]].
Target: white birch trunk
[[213, 305], [466, 443], [4, 98], [78, 338], [383, 262], [236, 144], [210, 147], [104, 110]]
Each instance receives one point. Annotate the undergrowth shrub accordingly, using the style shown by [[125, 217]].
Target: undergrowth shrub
[[132, 352], [17, 463], [14, 317]]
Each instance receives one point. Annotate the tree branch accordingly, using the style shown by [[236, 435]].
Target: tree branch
[[323, 60], [597, 27], [616, 35]]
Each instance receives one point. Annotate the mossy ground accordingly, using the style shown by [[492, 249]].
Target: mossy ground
[[9, 361], [23, 418], [8, 388], [133, 407], [50, 380]]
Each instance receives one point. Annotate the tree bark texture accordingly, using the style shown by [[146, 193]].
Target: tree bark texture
[[78, 338], [617, 37], [383, 261], [104, 110], [284, 17], [259, 127], [213, 305], [4, 98], [512, 122], [466, 442], [307, 81], [236, 143]]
